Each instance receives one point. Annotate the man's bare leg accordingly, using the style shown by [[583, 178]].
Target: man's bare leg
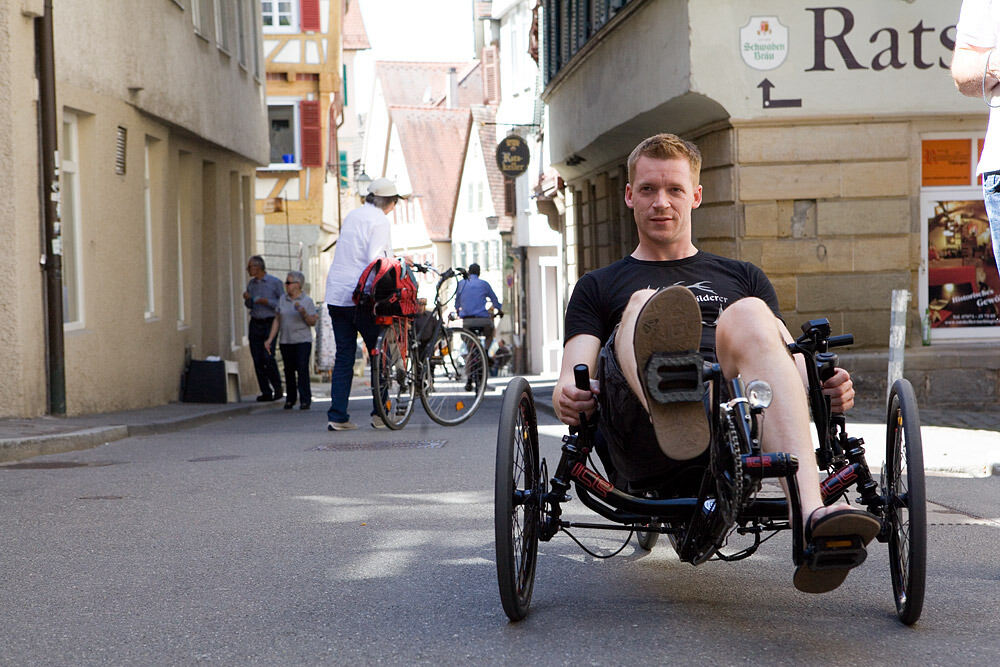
[[750, 342], [624, 352]]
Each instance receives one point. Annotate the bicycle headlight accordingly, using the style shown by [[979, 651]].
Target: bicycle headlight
[[759, 394]]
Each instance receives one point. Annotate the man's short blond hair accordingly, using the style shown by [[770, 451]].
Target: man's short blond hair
[[665, 147]]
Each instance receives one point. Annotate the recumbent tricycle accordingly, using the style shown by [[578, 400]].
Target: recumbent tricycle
[[528, 503]]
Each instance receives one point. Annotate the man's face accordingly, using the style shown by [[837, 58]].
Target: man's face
[[661, 197], [253, 268]]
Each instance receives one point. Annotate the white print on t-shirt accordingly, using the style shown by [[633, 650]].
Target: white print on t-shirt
[[703, 293]]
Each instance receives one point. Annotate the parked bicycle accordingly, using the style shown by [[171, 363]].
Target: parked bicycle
[[446, 366]]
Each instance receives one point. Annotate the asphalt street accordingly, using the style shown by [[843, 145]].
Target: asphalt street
[[264, 539]]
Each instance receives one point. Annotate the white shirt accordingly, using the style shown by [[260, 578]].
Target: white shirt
[[364, 236], [978, 25]]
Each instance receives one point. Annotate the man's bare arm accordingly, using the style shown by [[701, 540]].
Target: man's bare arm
[[968, 66], [567, 400], [839, 387]]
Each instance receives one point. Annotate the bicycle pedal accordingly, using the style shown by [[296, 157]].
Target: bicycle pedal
[[835, 553]]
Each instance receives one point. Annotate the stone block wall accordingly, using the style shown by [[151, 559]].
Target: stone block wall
[[823, 209]]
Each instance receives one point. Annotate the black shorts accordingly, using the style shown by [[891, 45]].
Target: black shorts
[[629, 438]]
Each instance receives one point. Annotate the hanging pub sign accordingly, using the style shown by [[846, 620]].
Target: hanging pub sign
[[512, 156]]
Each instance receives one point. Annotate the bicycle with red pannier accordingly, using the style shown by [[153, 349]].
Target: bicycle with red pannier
[[420, 354]]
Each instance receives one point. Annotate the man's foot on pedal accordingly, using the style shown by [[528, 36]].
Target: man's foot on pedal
[[835, 544], [341, 426], [666, 340]]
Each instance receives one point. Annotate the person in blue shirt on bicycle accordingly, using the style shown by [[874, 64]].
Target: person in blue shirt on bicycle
[[471, 299]]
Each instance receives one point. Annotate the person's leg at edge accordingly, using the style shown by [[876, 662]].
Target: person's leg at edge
[[289, 360], [345, 336], [991, 198]]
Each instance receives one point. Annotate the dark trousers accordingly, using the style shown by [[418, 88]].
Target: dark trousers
[[295, 357], [348, 322], [264, 364]]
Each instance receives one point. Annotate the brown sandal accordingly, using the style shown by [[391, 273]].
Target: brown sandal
[[666, 341], [835, 544]]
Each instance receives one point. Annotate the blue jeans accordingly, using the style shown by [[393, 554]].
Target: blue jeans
[[991, 197], [348, 322]]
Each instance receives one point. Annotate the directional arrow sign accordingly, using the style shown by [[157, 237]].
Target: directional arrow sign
[[766, 87]]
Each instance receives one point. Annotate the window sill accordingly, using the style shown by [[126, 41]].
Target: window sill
[[280, 166]]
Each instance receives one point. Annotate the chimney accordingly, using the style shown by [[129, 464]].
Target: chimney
[[451, 101]]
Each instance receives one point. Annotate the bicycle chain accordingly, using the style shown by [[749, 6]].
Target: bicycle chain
[[729, 494]]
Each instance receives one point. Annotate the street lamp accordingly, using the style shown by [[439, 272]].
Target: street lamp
[[362, 182]]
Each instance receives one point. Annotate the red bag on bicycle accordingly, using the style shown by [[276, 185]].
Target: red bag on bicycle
[[387, 287]]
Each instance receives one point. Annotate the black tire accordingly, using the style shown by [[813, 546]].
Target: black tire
[[906, 510], [393, 376], [646, 539], [517, 499], [453, 378]]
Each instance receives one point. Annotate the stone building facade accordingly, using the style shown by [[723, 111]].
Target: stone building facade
[[161, 124], [834, 144]]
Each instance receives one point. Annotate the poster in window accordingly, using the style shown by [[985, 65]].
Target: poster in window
[[946, 162], [963, 286]]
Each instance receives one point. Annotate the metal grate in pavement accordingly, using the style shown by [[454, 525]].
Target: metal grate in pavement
[[373, 446]]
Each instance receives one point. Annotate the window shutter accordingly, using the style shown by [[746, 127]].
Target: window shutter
[[309, 15], [491, 74], [311, 133]]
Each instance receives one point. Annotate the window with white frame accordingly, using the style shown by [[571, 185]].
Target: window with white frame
[[279, 16], [223, 24], [69, 216], [241, 32], [283, 124]]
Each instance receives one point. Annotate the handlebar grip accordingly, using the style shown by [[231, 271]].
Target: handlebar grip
[[581, 376], [840, 341]]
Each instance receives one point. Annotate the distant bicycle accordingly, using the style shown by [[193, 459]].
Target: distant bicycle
[[444, 365]]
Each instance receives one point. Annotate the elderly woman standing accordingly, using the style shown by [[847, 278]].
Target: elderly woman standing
[[296, 315]]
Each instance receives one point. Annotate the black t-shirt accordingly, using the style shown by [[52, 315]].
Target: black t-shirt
[[600, 296]]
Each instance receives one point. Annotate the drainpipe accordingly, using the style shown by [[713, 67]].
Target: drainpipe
[[49, 195]]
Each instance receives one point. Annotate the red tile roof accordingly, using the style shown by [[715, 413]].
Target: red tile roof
[[355, 35], [484, 118], [434, 141], [426, 83]]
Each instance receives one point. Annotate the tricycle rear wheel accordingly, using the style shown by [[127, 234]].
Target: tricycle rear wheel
[[906, 502]]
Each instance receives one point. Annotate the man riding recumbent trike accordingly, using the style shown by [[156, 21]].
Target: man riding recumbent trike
[[715, 495], [684, 374]]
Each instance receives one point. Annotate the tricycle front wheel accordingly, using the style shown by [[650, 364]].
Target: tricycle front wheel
[[517, 498]]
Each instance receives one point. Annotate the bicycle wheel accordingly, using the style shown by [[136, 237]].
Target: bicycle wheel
[[906, 500], [646, 539], [518, 501], [393, 375], [453, 377]]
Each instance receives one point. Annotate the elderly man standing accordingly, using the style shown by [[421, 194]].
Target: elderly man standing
[[261, 297], [364, 237]]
